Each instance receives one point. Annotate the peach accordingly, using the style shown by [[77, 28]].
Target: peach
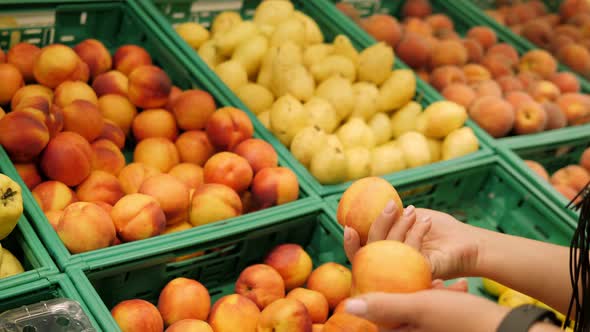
[[193, 108], [275, 186], [448, 53], [189, 325], [29, 173], [53, 217], [573, 176], [363, 202], [484, 35], [158, 152], [418, 26], [568, 31], [36, 102], [234, 312], [54, 119], [53, 195], [69, 91], [229, 169], [32, 91], [56, 64], [476, 73], [105, 206], [528, 78], [137, 316], [175, 92], [540, 62], [259, 154], [111, 82], [538, 32], [576, 107], [509, 84], [576, 57], [106, 156], [194, 147], [444, 76], [530, 118], [67, 158], [117, 109], [292, 262], [84, 118], [189, 174], [475, 51], [249, 204], [149, 87], [384, 28], [559, 41], [261, 284], [414, 50], [137, 217], [214, 202], [459, 93], [315, 303], [85, 227], [566, 82], [349, 10], [100, 186], [537, 168], [506, 50], [129, 57], [228, 127], [579, 19], [569, 8], [440, 22], [23, 135], [498, 65], [183, 226], [154, 123], [585, 159], [317, 327], [544, 91], [23, 56], [112, 132], [417, 8], [132, 176], [568, 192], [12, 81], [516, 98], [487, 88], [493, 114], [343, 322], [95, 55], [184, 298], [332, 280], [555, 117], [172, 195], [285, 315]]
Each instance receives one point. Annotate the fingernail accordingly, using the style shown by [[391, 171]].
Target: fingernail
[[347, 233], [389, 207], [408, 211], [426, 219], [356, 307]]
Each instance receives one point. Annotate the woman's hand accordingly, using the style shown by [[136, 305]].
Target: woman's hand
[[450, 246]]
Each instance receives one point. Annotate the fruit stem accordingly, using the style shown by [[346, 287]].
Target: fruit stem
[[9, 193]]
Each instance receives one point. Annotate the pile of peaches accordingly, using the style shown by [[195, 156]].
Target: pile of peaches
[[75, 111], [267, 295], [505, 94], [569, 180], [564, 34]]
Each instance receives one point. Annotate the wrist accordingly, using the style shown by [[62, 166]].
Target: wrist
[[490, 252]]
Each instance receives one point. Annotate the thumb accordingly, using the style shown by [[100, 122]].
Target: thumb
[[387, 310]]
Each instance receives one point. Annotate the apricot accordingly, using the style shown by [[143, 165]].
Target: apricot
[[158, 152], [444, 76], [459, 93], [106, 156], [576, 107], [538, 32], [100, 186], [576, 57], [555, 117], [111, 82], [129, 57], [566, 82], [137, 217], [448, 53], [234, 312], [112, 132], [487, 88], [172, 195], [154, 123], [573, 176], [23, 135], [194, 147], [417, 8], [540, 62], [229, 127], [53, 195], [12, 81], [332, 280], [133, 175], [509, 84], [83, 118], [498, 65], [117, 109], [484, 35], [538, 169], [56, 64], [530, 118], [261, 284], [229, 169], [137, 316], [493, 114], [275, 186], [85, 227], [475, 51], [341, 322], [23, 96], [544, 91], [506, 50], [315, 303], [23, 56], [476, 73], [383, 28], [149, 87], [189, 174], [585, 159], [214, 202], [95, 55], [259, 154], [193, 108], [414, 50], [292, 262]]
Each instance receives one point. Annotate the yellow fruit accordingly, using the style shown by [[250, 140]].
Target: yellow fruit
[[512, 299], [493, 288], [10, 265], [11, 207], [193, 33]]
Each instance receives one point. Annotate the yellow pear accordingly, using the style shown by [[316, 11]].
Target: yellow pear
[[227, 42], [273, 12], [193, 33], [334, 142], [250, 53], [225, 21], [313, 33], [289, 30], [415, 148], [208, 53], [287, 118], [329, 165], [387, 158], [264, 118], [11, 200], [459, 143], [296, 81], [307, 142], [365, 104], [359, 162], [333, 65], [316, 53], [397, 90], [381, 127], [343, 46], [338, 91], [322, 114], [256, 97], [233, 74], [404, 120], [435, 147], [375, 63], [355, 133], [10, 265], [441, 118]]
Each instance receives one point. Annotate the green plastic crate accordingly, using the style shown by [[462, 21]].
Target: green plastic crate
[[52, 287], [464, 15], [116, 23], [166, 12], [24, 244], [486, 193], [567, 150]]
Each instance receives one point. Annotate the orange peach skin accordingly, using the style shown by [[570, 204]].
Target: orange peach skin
[[193, 108], [172, 195], [117, 109], [23, 135], [284, 315], [333, 280], [112, 132], [174, 93], [214, 202], [53, 195], [29, 173], [363, 202], [100, 186], [137, 217], [234, 312], [157, 152], [315, 303], [228, 127], [538, 169], [149, 87], [69, 91], [261, 284], [259, 154], [585, 159], [56, 64], [194, 147], [12, 81], [343, 322], [493, 114], [111, 82], [31, 91], [229, 169], [275, 186], [23, 56], [184, 298], [573, 176], [129, 57], [154, 123], [189, 325], [84, 118], [133, 175], [137, 316], [53, 217], [189, 174], [67, 158], [107, 157], [95, 55], [85, 227], [292, 263]]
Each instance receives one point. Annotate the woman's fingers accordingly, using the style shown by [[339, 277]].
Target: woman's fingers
[[384, 222], [400, 228], [352, 242], [415, 235], [383, 309]]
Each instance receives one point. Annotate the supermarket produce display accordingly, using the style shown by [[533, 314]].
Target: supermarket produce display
[[191, 165]]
